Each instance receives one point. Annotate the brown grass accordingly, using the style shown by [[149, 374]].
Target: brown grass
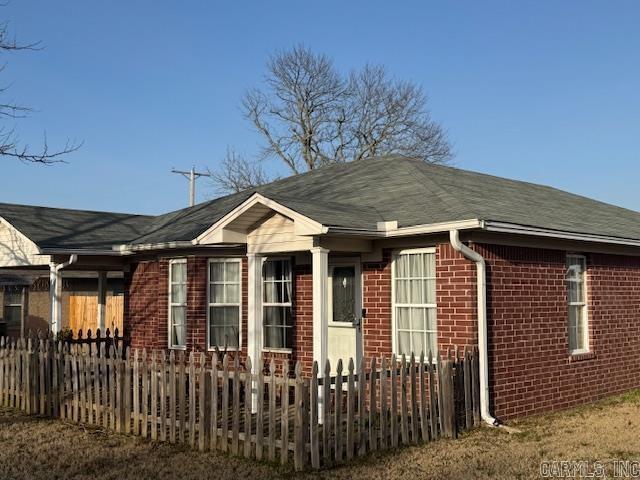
[[37, 448]]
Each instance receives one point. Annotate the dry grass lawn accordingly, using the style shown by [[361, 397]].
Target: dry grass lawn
[[37, 448]]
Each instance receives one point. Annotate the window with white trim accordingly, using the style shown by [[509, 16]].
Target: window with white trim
[[178, 303], [414, 302], [224, 297], [577, 303], [277, 316], [13, 306]]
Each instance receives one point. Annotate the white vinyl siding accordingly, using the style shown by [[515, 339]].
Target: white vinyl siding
[[414, 302], [224, 298], [277, 315], [576, 278], [178, 303]]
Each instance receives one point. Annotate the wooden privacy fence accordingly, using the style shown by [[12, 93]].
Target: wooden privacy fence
[[272, 414]]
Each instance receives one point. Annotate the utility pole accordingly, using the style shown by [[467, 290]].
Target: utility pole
[[191, 175]]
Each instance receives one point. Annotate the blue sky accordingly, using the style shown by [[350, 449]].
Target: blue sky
[[541, 91]]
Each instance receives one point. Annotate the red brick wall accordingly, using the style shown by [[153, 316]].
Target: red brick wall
[[456, 299], [303, 310], [376, 296], [530, 368], [141, 304]]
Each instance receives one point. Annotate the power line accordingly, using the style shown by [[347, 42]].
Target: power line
[[191, 175]]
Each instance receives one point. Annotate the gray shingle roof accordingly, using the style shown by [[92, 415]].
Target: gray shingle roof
[[58, 228], [351, 195]]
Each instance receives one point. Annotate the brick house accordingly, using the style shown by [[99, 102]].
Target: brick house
[[370, 258]]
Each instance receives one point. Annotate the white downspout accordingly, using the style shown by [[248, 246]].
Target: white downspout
[[482, 323], [55, 291]]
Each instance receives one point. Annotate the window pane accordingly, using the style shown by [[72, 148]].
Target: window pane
[[269, 271], [178, 329], [178, 272], [430, 265], [430, 296], [13, 316], [415, 265], [432, 322], [277, 316], [402, 295], [576, 328], [232, 271], [417, 319], [403, 318], [216, 271], [216, 293], [12, 296], [418, 344], [401, 266], [221, 337], [404, 343], [432, 339], [178, 293], [269, 292], [233, 293], [416, 291]]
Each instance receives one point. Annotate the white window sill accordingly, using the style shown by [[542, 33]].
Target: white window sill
[[227, 349], [277, 350], [580, 355], [178, 348]]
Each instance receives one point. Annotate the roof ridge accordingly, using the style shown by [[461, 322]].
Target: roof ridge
[[437, 188]]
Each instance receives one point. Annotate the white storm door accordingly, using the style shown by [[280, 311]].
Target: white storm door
[[345, 312]]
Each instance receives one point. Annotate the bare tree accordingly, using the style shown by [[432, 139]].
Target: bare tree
[[310, 115], [10, 145], [236, 174]]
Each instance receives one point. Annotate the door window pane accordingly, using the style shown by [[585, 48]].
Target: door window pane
[[343, 294]]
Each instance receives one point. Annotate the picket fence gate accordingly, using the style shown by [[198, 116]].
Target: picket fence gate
[[267, 413]]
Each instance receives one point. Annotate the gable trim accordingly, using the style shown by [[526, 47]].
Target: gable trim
[[306, 225]]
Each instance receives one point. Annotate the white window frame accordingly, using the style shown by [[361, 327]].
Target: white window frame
[[172, 262], [585, 308], [264, 304], [210, 304], [394, 329]]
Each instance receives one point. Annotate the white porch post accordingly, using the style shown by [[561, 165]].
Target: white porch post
[[55, 297], [320, 273], [254, 317], [102, 300]]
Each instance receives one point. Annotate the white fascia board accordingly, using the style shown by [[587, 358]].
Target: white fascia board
[[503, 227], [304, 225]]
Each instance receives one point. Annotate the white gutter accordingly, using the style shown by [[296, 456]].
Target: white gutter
[[503, 227], [482, 323], [440, 227]]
